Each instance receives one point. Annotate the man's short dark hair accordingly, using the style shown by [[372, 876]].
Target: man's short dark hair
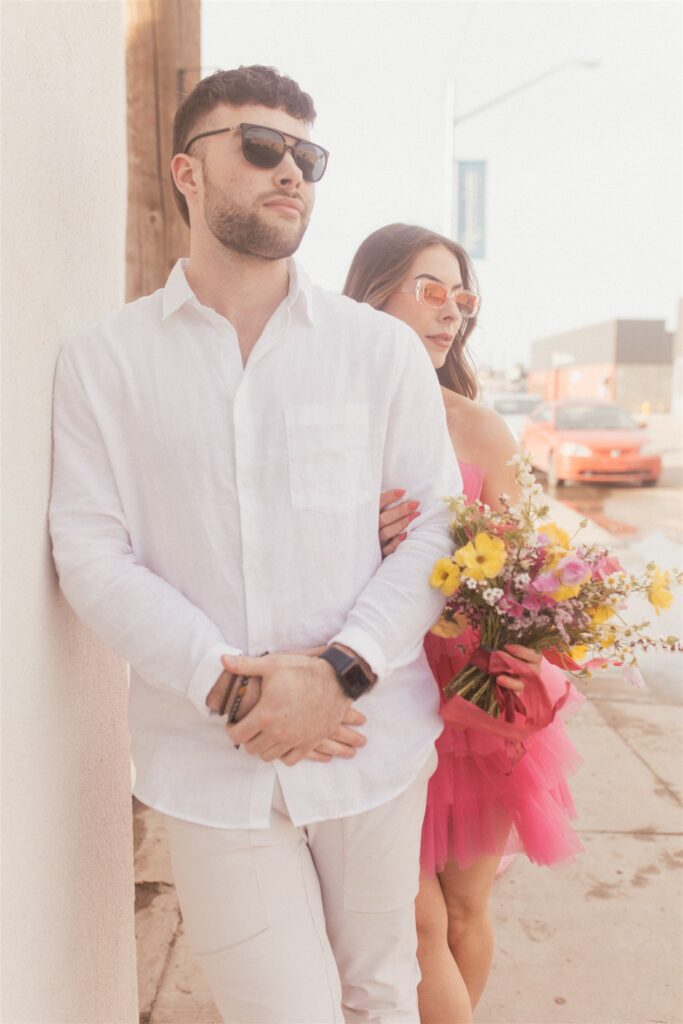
[[253, 84]]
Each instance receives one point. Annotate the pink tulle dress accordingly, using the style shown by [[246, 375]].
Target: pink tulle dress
[[482, 803]]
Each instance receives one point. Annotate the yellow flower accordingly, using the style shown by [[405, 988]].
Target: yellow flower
[[658, 593], [446, 576], [600, 615], [564, 593], [578, 653], [447, 628], [557, 537], [482, 558]]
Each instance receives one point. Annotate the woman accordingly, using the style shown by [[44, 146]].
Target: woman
[[474, 802]]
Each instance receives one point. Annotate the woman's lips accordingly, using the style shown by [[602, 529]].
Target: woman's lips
[[443, 341]]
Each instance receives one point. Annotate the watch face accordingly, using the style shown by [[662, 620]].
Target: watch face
[[355, 681]]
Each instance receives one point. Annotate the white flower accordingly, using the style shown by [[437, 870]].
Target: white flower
[[522, 579], [492, 595], [472, 584]]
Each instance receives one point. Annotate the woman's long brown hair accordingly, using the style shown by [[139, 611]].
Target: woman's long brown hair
[[380, 265]]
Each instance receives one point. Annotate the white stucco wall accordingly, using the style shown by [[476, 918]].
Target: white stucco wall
[[68, 952]]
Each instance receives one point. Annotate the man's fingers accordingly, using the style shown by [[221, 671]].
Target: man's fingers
[[343, 734], [316, 756], [240, 665], [272, 753], [293, 757], [353, 716], [335, 749], [511, 683], [248, 728], [386, 498]]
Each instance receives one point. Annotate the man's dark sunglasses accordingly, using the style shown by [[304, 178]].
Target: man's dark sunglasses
[[266, 147]]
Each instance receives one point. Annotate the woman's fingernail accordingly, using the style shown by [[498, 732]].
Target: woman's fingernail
[[413, 504], [402, 536], [414, 515], [400, 492]]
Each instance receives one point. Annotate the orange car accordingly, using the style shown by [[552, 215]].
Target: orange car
[[589, 441]]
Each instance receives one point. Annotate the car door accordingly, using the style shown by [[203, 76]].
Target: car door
[[537, 435]]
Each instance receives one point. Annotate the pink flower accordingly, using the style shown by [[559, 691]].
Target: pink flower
[[546, 582], [572, 570], [606, 566], [512, 607], [532, 601], [632, 675]]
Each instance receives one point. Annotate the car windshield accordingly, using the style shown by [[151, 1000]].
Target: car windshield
[[516, 404], [593, 417]]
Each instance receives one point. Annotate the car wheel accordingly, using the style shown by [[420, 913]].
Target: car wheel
[[551, 474]]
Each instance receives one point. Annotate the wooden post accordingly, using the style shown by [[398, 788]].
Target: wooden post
[[162, 55]]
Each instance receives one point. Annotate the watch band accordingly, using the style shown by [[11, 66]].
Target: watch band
[[352, 677]]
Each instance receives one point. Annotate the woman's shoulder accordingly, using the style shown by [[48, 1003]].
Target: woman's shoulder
[[475, 428]]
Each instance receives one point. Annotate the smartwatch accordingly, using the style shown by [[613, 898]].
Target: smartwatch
[[353, 678]]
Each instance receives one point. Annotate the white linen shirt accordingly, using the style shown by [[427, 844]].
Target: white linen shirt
[[202, 507]]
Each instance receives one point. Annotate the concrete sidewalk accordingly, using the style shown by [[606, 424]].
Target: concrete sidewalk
[[597, 941]]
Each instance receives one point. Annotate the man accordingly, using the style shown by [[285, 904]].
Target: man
[[220, 447]]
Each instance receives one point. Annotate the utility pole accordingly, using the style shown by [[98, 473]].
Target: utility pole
[[162, 50]]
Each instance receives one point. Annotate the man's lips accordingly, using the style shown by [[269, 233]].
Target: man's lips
[[284, 203]]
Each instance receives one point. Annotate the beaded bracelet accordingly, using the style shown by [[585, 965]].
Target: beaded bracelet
[[241, 690], [226, 696]]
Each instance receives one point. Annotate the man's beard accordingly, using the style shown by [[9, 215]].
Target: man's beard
[[244, 232]]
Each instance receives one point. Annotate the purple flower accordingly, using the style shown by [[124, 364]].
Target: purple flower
[[572, 570]]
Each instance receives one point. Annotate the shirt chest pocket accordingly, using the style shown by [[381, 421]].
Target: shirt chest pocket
[[329, 455]]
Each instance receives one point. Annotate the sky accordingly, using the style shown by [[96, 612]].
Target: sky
[[583, 169]]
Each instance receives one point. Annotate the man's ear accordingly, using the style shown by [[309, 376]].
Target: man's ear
[[186, 174]]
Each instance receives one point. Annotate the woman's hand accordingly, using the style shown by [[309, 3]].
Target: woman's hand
[[394, 517], [344, 741], [525, 654]]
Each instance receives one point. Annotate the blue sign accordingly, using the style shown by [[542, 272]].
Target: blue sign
[[471, 207]]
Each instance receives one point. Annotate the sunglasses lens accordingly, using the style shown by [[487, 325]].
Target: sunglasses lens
[[433, 294], [265, 147], [467, 303], [311, 160], [262, 147]]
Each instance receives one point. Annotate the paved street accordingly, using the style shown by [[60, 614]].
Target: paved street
[[597, 941]]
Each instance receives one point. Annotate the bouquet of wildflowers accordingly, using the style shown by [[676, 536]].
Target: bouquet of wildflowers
[[516, 578]]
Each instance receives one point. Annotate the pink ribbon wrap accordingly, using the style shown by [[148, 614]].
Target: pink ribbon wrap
[[522, 714]]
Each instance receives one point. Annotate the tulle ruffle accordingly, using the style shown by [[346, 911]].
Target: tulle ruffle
[[479, 803]]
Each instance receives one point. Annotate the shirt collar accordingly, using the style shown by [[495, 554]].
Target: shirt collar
[[177, 291]]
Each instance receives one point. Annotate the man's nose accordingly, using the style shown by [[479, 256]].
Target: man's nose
[[287, 174]]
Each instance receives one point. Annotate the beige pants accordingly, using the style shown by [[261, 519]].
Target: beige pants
[[310, 925]]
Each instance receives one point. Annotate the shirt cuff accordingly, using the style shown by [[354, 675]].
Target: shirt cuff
[[364, 646], [205, 677]]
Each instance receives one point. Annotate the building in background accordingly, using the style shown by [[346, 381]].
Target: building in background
[[626, 361]]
